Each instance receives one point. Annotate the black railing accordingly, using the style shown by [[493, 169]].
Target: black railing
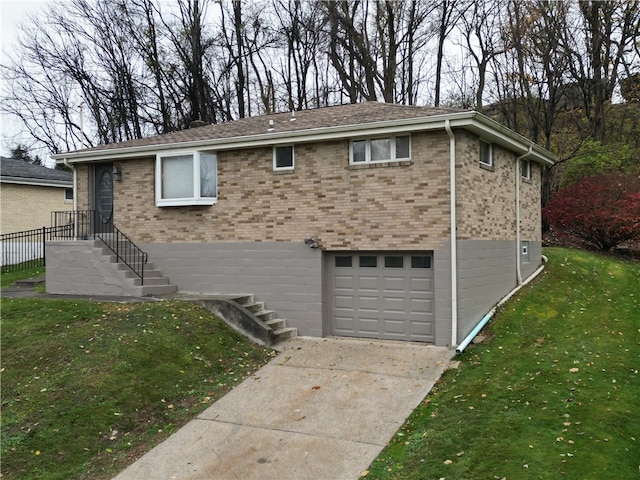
[[90, 224], [23, 250]]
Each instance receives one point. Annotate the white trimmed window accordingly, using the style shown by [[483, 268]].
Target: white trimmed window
[[384, 149], [525, 169], [283, 157], [68, 195], [186, 178], [486, 153]]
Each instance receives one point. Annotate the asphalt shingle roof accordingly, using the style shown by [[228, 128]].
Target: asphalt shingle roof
[[14, 168], [340, 115]]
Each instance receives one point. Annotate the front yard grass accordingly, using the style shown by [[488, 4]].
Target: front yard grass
[[553, 393], [87, 387]]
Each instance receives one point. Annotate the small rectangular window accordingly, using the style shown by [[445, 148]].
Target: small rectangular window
[[486, 154], [402, 147], [283, 158], [344, 261], [358, 151], [68, 194], [525, 169], [393, 261], [420, 262], [368, 261]]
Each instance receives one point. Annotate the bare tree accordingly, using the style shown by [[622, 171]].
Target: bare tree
[[481, 29]]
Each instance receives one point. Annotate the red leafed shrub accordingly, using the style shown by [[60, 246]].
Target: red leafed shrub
[[603, 210]]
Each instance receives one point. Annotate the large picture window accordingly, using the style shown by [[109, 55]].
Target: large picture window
[[384, 149], [186, 178]]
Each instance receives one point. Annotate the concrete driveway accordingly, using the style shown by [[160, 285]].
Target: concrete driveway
[[324, 408]]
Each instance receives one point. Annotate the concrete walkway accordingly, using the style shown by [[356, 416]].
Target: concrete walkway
[[324, 408]]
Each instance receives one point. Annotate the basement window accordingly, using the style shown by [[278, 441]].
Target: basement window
[[525, 252], [186, 178]]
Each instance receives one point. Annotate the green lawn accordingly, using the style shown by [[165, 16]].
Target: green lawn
[[553, 393], [8, 278], [86, 386]]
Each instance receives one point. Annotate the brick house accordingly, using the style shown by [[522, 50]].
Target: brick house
[[339, 218], [30, 193]]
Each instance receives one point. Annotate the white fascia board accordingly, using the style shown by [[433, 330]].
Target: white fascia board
[[467, 120], [36, 182]]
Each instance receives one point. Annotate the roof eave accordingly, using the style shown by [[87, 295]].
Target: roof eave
[[469, 120], [39, 182]]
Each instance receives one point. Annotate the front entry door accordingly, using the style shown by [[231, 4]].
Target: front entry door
[[103, 199]]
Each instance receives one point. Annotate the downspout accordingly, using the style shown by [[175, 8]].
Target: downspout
[[454, 238], [518, 266], [488, 316]]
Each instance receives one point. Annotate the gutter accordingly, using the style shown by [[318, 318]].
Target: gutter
[[488, 316], [454, 237], [517, 169]]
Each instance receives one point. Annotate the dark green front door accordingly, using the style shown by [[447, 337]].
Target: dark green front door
[[103, 200]]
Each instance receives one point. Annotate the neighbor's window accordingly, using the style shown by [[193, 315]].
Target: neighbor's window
[[283, 158], [68, 195], [525, 169], [486, 153], [387, 149], [186, 178]]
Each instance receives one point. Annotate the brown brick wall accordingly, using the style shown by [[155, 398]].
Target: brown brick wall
[[530, 205], [25, 207], [389, 206], [396, 206], [486, 197]]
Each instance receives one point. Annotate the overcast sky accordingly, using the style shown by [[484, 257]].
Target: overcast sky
[[12, 14]]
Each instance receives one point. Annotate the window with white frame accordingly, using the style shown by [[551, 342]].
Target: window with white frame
[[68, 195], [525, 169], [283, 158], [486, 153], [383, 149], [186, 178]]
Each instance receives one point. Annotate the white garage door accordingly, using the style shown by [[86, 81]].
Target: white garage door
[[382, 295]]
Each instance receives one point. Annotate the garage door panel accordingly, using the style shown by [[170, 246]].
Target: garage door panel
[[344, 302], [371, 304], [393, 304], [368, 325], [368, 283], [394, 327], [421, 306], [382, 302], [343, 282], [417, 284], [344, 323], [390, 284]]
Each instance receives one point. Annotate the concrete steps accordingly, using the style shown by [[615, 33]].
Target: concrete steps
[[278, 326], [155, 283]]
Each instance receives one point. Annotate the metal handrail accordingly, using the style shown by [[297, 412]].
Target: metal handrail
[[85, 224]]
